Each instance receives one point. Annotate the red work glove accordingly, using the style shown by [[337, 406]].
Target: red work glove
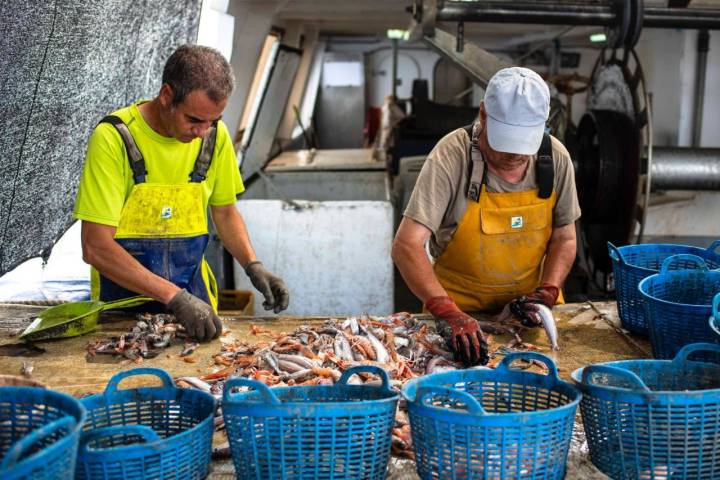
[[460, 330], [546, 294]]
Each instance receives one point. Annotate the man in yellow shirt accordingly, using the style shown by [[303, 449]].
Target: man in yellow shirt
[[151, 170]]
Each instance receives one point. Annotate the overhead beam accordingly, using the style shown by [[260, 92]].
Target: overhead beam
[[479, 64], [523, 11]]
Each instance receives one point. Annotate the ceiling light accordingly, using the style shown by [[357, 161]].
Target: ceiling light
[[598, 37], [397, 34]]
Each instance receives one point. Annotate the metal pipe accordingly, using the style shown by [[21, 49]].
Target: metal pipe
[[702, 48], [394, 43], [602, 15], [683, 168]]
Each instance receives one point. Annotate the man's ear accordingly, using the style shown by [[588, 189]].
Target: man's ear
[[166, 95], [483, 115]]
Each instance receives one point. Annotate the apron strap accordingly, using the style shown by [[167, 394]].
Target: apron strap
[[204, 158], [544, 168], [137, 162], [473, 188]]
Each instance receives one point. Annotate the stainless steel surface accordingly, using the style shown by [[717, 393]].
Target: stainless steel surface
[[676, 168], [340, 108], [479, 64], [319, 186], [321, 159], [573, 14], [270, 113]]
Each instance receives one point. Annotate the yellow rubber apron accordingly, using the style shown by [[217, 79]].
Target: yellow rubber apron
[[164, 227], [498, 249]]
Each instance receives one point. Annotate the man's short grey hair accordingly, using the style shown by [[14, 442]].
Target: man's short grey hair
[[194, 67]]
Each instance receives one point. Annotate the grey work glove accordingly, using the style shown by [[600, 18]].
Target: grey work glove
[[271, 286], [198, 318]]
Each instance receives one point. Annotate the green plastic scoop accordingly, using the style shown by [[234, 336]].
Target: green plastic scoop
[[73, 319]]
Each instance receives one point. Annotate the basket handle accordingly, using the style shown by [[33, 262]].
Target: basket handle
[[615, 254], [610, 370], [165, 377], [21, 446], [380, 372], [472, 404], [264, 390], [687, 350], [683, 256], [508, 360], [713, 248], [147, 433]]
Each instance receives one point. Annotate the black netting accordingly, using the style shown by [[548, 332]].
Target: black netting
[[63, 66]]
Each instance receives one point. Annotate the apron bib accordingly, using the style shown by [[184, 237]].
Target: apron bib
[[498, 249], [164, 227]]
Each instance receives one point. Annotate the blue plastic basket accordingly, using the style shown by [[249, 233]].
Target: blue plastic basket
[[715, 318], [150, 432], [336, 431], [634, 263], [678, 305], [654, 419], [492, 424], [39, 431]]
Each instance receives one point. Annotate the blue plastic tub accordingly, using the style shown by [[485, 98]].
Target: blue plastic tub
[[39, 431], [678, 305], [715, 318], [654, 419], [151, 432], [492, 424], [336, 431], [634, 263]]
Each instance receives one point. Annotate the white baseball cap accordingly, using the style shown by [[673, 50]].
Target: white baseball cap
[[517, 102]]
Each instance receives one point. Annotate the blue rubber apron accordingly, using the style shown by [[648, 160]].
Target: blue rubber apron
[[164, 227]]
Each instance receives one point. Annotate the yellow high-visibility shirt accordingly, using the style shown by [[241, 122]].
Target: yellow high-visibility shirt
[[107, 177]]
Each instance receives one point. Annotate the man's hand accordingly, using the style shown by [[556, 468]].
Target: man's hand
[[271, 286], [546, 294], [461, 331], [198, 318]]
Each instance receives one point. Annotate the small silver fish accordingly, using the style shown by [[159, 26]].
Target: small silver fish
[[26, 369], [544, 315], [188, 348], [302, 361], [381, 353], [342, 347]]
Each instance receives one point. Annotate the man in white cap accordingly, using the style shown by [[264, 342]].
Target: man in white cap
[[497, 203]]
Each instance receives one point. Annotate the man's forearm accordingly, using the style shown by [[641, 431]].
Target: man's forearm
[[233, 233], [115, 263], [416, 269], [560, 258]]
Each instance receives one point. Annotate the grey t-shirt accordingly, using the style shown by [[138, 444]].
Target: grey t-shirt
[[439, 201]]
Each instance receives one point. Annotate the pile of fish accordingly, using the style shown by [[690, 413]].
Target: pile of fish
[[150, 335], [403, 345]]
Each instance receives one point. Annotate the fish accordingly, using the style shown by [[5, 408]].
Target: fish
[[381, 353], [543, 315], [197, 383], [189, 348], [26, 369], [342, 347], [297, 359]]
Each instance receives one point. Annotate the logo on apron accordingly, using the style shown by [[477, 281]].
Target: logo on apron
[[166, 213], [516, 222]]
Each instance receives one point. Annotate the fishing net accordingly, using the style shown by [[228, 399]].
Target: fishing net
[[63, 66]]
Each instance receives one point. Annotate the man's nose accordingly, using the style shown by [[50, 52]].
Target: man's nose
[[200, 130]]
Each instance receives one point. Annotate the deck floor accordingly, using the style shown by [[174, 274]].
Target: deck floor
[[585, 337]]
